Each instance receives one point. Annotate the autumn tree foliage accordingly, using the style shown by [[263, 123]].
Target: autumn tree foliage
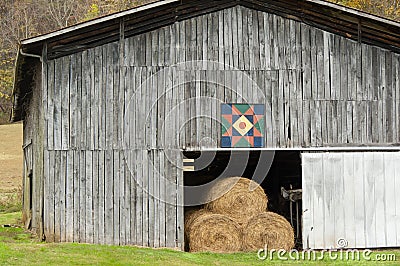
[[384, 8]]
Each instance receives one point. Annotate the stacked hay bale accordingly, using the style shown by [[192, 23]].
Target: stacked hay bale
[[236, 219]]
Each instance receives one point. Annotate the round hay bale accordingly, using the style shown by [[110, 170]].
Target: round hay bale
[[238, 198], [269, 230], [213, 232], [192, 215]]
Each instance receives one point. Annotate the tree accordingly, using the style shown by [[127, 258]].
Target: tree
[[387, 8]]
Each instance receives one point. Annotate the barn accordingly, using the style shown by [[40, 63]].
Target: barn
[[127, 117]]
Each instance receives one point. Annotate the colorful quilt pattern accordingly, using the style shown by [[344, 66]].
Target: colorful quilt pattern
[[242, 125]]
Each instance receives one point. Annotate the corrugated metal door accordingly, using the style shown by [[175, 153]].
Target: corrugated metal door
[[353, 197]]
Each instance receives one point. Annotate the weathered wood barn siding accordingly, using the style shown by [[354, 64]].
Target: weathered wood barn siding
[[105, 133], [33, 155]]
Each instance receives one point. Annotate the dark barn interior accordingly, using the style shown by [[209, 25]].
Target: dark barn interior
[[283, 175]]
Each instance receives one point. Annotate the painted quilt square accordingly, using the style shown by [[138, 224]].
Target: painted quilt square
[[242, 125]]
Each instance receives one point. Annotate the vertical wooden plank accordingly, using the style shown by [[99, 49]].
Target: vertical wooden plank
[[252, 32], [156, 198], [268, 47], [335, 122], [375, 121], [360, 89], [101, 196], [129, 199], [131, 189], [96, 195], [334, 60], [69, 197], [61, 192], [101, 74], [84, 100], [117, 113], [123, 210], [326, 65], [325, 123], [89, 197], [199, 40], [139, 197], [50, 104], [320, 44], [170, 200], [223, 38], [215, 109], [240, 43], [246, 38], [57, 196], [281, 57], [94, 130], [307, 124], [116, 197], [151, 197], [145, 208], [344, 63], [57, 104], [369, 130], [76, 192], [50, 196], [162, 199], [319, 114], [306, 62], [229, 46], [235, 38], [109, 104], [349, 120], [261, 39], [109, 198], [214, 37], [285, 98], [82, 197], [87, 88], [46, 191], [314, 73], [275, 109], [282, 125], [73, 103], [180, 215], [352, 68]]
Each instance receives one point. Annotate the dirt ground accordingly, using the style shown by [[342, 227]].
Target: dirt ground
[[10, 157]]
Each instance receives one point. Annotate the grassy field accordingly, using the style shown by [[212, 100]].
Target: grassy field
[[10, 167], [18, 247]]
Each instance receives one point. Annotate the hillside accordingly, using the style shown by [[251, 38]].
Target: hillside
[[10, 157]]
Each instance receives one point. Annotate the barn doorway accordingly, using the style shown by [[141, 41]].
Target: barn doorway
[[283, 177]]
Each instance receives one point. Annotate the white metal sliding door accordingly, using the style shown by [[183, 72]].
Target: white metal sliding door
[[353, 197]]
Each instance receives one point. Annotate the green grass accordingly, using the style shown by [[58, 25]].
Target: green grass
[[18, 247], [11, 201]]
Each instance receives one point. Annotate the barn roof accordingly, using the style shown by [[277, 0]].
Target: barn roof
[[347, 22]]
